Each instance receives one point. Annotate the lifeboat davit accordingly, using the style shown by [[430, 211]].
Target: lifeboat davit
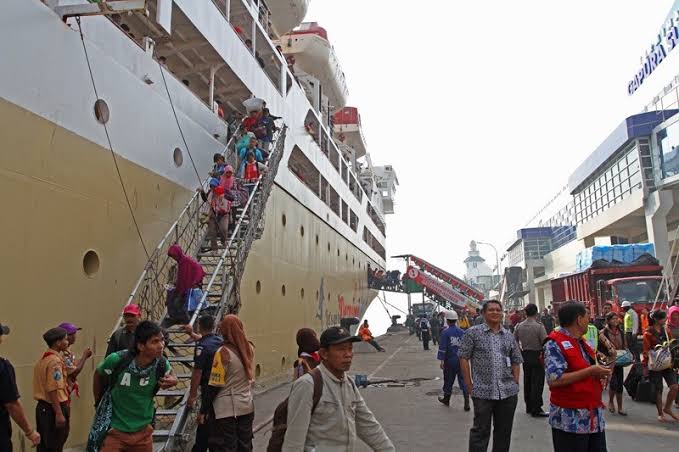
[[314, 55], [348, 129], [287, 14]]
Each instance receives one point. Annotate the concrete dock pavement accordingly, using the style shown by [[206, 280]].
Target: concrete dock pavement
[[416, 421]]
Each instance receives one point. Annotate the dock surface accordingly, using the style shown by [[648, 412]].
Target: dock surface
[[416, 421]]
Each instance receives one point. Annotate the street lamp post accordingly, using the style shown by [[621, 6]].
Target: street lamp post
[[497, 257]]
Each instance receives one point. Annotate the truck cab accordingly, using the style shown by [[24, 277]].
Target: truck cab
[[641, 291]]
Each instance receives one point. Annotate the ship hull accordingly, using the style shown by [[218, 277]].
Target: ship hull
[[62, 197]]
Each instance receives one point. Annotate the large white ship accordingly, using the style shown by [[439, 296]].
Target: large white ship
[[108, 125]]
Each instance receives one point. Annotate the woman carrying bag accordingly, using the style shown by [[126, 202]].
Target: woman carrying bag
[[655, 366], [227, 406], [612, 344]]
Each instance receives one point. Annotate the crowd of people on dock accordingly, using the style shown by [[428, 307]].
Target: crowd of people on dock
[[325, 408]]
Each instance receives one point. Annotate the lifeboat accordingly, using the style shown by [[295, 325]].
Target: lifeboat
[[287, 14], [348, 130], [314, 55]]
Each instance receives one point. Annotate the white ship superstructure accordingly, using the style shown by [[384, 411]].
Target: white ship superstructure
[[71, 249]]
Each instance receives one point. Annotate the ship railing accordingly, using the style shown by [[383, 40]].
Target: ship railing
[[225, 281], [150, 290], [250, 20]]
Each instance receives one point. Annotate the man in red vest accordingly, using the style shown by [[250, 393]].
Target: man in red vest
[[576, 382]]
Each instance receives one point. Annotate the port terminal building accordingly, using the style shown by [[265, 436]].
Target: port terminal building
[[625, 191]]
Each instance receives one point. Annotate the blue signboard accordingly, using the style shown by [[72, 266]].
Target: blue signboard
[[666, 41]]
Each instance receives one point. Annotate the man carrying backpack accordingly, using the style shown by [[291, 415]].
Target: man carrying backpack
[[334, 415], [125, 384]]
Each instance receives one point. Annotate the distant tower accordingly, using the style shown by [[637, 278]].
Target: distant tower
[[478, 273]]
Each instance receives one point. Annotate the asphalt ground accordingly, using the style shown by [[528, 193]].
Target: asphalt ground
[[416, 421]]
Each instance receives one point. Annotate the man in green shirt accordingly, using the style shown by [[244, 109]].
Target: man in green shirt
[[134, 381]]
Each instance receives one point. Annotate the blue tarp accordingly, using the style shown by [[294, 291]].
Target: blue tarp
[[625, 254]]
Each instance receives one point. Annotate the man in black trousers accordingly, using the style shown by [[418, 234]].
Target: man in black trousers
[[530, 334]]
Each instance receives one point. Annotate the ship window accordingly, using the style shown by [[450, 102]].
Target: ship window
[[317, 295], [91, 263], [284, 219], [258, 287], [283, 290], [283, 363], [101, 111], [338, 253], [301, 231], [258, 370], [178, 157], [301, 293], [328, 247], [316, 239]]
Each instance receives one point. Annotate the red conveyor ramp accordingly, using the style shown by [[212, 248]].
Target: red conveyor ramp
[[440, 282]]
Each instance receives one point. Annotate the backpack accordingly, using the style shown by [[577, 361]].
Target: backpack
[[280, 416], [126, 360]]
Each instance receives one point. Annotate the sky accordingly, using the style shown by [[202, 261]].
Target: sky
[[485, 108]]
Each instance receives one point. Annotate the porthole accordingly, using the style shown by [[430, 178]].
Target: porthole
[[328, 247], [316, 239], [283, 363], [283, 290], [353, 261], [258, 371], [101, 111], [301, 231], [338, 253], [91, 263], [346, 257], [317, 295], [301, 293], [258, 287], [284, 220], [178, 157]]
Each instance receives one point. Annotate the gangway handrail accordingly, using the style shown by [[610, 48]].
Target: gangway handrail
[[272, 164], [172, 228]]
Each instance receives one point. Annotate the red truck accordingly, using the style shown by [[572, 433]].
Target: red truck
[[638, 284]]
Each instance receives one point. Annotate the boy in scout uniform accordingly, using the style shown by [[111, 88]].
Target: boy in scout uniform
[[51, 392]]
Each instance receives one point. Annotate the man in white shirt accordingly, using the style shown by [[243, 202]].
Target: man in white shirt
[[341, 415]]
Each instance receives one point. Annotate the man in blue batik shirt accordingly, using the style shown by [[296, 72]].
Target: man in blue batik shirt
[[449, 343]]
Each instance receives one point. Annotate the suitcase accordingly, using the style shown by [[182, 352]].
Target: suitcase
[[645, 391], [632, 381]]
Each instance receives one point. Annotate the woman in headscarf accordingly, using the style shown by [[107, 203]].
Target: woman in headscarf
[[228, 404], [307, 352], [673, 321], [233, 190], [190, 275]]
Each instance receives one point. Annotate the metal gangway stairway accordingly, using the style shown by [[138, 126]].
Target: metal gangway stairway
[[175, 424]]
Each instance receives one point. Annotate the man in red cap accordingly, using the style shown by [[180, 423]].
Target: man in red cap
[[123, 338]]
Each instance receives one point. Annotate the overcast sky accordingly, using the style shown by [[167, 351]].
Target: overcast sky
[[486, 107]]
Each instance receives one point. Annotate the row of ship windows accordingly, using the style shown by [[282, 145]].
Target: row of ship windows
[[309, 175], [366, 236], [329, 149]]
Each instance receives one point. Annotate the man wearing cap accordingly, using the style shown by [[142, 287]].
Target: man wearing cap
[[10, 406], [52, 412], [631, 326], [449, 344], [341, 415], [123, 338], [73, 365]]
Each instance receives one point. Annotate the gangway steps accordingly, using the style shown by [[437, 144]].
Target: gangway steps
[[223, 269]]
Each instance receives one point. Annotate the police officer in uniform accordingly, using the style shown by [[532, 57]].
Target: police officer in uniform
[[449, 343], [425, 331], [206, 346]]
